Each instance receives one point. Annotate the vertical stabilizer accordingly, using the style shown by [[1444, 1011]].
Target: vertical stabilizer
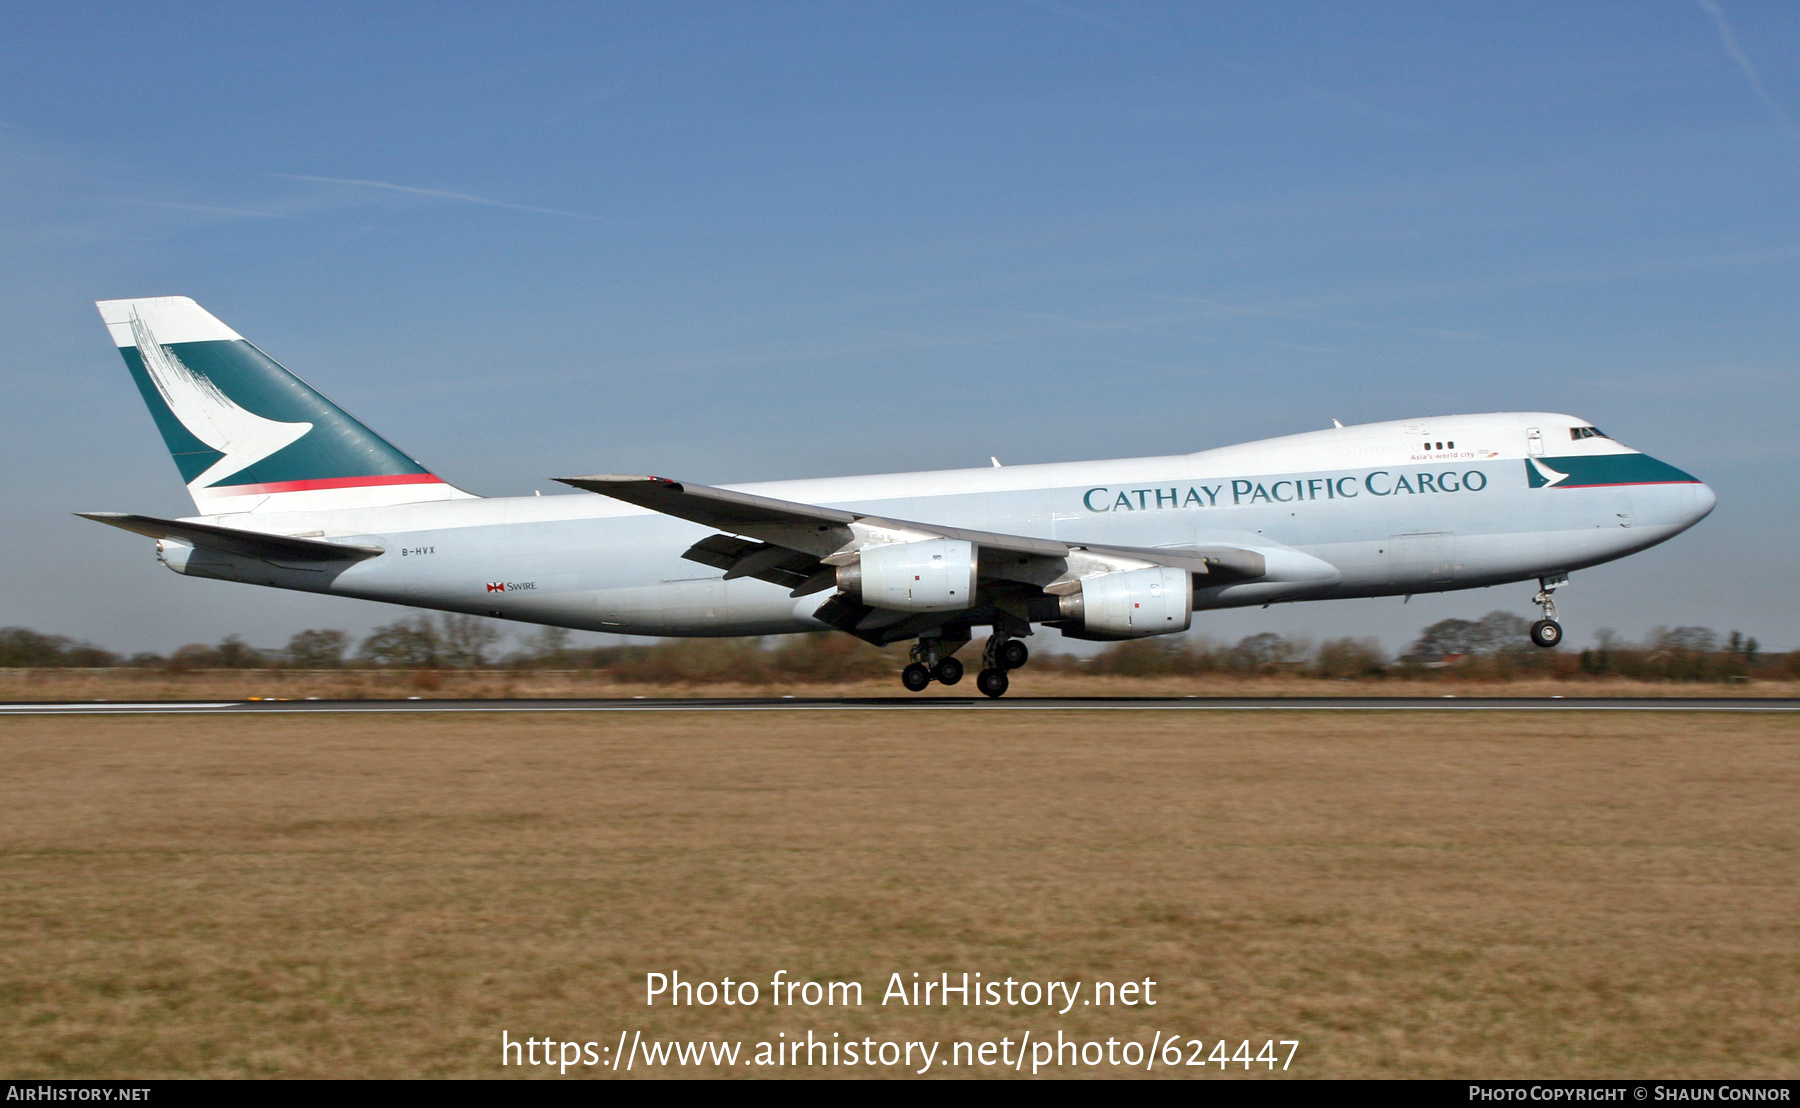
[[246, 434]]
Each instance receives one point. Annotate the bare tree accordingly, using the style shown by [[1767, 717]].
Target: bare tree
[[317, 649], [466, 640], [412, 642], [1498, 632]]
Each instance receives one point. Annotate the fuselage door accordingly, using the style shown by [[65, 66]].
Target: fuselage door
[[1422, 559], [1534, 442]]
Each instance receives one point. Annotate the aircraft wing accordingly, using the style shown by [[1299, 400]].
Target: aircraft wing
[[821, 531], [799, 543], [249, 544]]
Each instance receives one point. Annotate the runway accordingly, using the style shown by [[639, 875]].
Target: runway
[[927, 704]]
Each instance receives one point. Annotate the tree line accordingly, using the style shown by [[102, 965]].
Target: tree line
[[1497, 646]]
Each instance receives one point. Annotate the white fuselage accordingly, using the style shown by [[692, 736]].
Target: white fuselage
[[1355, 511]]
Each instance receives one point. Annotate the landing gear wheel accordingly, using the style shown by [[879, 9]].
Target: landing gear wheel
[[948, 672], [915, 677], [1014, 654], [1546, 633], [992, 682]]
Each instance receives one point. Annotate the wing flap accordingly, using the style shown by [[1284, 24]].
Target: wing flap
[[720, 551], [764, 561]]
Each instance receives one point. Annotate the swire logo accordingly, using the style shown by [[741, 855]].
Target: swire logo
[[496, 586]]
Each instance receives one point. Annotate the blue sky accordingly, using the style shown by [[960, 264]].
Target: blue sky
[[735, 242]]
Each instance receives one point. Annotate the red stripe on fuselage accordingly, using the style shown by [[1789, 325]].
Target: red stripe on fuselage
[[325, 483]]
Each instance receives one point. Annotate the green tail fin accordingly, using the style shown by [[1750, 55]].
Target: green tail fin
[[246, 434]]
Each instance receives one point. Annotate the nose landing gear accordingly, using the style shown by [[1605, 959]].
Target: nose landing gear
[[1547, 632]]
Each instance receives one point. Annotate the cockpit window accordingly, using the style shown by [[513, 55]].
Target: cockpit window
[[1587, 433]]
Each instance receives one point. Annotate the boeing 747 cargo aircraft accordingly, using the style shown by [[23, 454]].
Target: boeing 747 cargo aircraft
[[293, 493]]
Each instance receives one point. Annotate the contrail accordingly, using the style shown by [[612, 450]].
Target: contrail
[[441, 193], [209, 208], [1729, 39]]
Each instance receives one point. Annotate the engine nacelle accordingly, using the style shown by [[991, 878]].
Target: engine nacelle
[[1133, 604], [935, 575], [174, 553]]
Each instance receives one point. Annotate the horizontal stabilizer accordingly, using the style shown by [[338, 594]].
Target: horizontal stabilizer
[[231, 540]]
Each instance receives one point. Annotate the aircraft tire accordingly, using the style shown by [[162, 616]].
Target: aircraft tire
[[992, 682], [1014, 654], [948, 671], [915, 677], [1546, 633]]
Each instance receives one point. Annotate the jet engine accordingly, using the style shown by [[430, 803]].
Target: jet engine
[[1133, 604], [934, 575]]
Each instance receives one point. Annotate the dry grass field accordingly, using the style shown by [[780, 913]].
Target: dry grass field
[[1408, 894]]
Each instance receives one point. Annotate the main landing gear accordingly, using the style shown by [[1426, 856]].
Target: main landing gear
[[948, 671], [1002, 654], [1547, 632], [932, 661]]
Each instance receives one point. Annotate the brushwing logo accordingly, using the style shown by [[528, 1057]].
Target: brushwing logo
[[243, 437], [1546, 475]]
